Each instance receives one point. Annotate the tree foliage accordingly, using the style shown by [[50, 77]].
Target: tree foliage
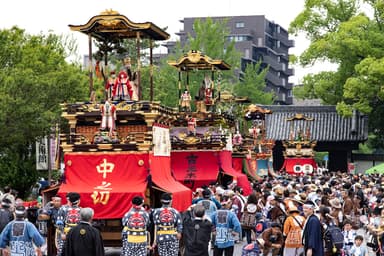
[[344, 34], [212, 39], [34, 79], [253, 85]]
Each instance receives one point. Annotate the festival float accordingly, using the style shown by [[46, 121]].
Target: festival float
[[120, 145], [201, 135], [299, 148], [251, 149]]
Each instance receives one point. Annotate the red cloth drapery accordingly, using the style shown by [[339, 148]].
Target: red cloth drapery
[[161, 175], [106, 182], [299, 166], [237, 163], [195, 168], [242, 179]]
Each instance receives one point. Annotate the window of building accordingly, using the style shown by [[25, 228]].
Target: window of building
[[290, 93], [238, 38], [283, 82], [246, 53], [259, 41], [240, 24], [283, 97], [278, 44], [283, 66]]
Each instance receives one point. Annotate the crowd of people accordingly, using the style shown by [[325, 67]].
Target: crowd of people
[[332, 214]]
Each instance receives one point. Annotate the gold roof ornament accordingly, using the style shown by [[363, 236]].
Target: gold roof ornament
[[111, 24], [109, 12], [195, 60], [254, 108], [299, 116]]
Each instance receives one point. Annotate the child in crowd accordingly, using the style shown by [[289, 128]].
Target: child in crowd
[[358, 249], [349, 235]]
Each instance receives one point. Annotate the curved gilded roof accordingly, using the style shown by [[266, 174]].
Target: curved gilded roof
[[111, 24], [196, 60]]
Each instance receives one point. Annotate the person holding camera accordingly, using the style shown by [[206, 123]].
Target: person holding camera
[[273, 239]]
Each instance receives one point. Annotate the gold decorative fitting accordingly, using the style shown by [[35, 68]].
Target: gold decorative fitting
[[140, 162], [109, 12], [69, 162], [82, 231], [110, 22], [300, 116]]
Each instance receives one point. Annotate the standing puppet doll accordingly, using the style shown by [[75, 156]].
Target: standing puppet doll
[[108, 117]]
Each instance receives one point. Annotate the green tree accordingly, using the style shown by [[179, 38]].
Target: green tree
[[253, 85], [34, 79], [340, 32]]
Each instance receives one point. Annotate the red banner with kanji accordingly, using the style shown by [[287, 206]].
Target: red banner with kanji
[[195, 168], [106, 182]]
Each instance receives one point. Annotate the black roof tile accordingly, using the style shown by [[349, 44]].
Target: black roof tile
[[327, 124]]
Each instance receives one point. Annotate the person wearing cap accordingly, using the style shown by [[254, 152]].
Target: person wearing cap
[[293, 227], [312, 235], [196, 231], [168, 227], [336, 211], [226, 227], [21, 236], [135, 233], [67, 217], [84, 240]]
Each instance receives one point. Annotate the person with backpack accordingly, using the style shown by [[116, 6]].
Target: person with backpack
[[21, 236], [168, 227], [312, 234], [261, 224], [67, 218], [135, 234], [6, 215], [248, 218], [293, 227], [332, 234]]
